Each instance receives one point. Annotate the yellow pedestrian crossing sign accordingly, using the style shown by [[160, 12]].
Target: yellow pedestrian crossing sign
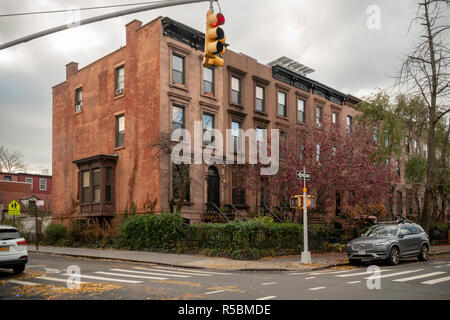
[[14, 208]]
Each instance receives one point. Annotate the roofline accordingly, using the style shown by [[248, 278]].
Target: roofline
[[24, 173]]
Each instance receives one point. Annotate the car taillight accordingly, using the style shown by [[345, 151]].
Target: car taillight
[[21, 243]]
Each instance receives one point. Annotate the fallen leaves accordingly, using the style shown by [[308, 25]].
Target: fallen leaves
[[53, 292]]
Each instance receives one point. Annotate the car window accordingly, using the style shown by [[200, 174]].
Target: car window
[[381, 231], [406, 229], [419, 228], [8, 234]]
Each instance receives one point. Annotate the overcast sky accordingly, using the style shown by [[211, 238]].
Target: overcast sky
[[329, 36]]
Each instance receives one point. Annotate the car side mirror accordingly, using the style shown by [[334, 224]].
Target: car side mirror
[[400, 235]]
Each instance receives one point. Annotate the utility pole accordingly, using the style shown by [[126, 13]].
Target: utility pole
[[306, 255], [161, 4]]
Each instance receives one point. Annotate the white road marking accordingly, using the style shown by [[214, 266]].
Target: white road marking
[[332, 272], [51, 270], [359, 273], [194, 271], [393, 274], [152, 273], [353, 282], [211, 292], [129, 275], [56, 279], [426, 275], [268, 283], [104, 279], [439, 267], [35, 266], [267, 298], [23, 283], [317, 288], [436, 280], [310, 278], [175, 272]]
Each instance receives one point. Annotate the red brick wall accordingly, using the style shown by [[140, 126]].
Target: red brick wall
[[92, 131]]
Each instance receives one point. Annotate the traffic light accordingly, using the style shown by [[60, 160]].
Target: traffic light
[[214, 40]]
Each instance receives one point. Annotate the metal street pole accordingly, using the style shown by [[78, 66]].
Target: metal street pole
[[306, 255], [158, 5]]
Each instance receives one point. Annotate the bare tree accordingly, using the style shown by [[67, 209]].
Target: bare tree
[[425, 72], [11, 160]]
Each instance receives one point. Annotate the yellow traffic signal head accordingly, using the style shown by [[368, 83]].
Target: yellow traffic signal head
[[214, 40]]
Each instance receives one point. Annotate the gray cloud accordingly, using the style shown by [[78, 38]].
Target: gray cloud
[[329, 36]]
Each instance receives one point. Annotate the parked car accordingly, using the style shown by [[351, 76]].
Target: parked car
[[390, 241], [13, 249]]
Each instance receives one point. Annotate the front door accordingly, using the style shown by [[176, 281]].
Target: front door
[[213, 187]]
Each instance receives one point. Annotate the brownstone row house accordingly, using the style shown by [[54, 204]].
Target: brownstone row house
[[110, 117]]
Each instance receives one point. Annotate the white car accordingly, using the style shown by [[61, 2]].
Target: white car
[[13, 249]]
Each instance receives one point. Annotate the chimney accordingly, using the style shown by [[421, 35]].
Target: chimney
[[131, 29], [71, 68]]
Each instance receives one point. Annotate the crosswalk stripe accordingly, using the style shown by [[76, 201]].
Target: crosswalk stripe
[[211, 292], [310, 278], [152, 273], [267, 298], [438, 280], [193, 271], [393, 274], [175, 272], [129, 275], [317, 288], [23, 283], [353, 282], [105, 279], [439, 267], [359, 273], [426, 275], [331, 272], [56, 279], [268, 283]]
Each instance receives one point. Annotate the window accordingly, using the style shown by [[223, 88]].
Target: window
[[85, 186], [318, 116], [397, 168], [259, 103], [108, 184], [43, 184], [317, 152], [208, 81], [416, 146], [407, 144], [120, 130], [238, 187], [301, 110], [96, 185], [177, 69], [300, 154], [334, 117], [208, 126], [235, 90], [260, 134], [7, 178], [349, 124], [424, 150], [334, 149], [375, 134], [180, 182], [30, 181], [177, 117], [282, 110], [120, 80], [235, 133], [78, 99]]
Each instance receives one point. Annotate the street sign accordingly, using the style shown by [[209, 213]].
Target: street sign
[[304, 175], [14, 208]]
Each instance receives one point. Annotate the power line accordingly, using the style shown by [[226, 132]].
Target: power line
[[70, 10]]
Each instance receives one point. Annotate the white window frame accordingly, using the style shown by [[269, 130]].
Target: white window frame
[[40, 184], [27, 181]]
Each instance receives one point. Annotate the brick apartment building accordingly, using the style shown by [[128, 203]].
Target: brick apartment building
[[109, 116], [25, 187]]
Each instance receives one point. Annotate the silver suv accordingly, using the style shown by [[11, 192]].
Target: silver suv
[[390, 241]]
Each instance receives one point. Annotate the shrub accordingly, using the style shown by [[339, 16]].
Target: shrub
[[55, 232], [438, 231]]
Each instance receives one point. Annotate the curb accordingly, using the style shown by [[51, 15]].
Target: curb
[[187, 266]]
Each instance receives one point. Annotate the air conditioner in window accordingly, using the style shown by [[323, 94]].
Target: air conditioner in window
[[119, 91], [78, 107]]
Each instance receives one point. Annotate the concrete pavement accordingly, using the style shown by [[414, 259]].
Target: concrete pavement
[[287, 263]]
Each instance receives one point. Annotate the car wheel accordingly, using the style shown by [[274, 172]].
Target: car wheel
[[19, 268], [424, 253], [394, 256]]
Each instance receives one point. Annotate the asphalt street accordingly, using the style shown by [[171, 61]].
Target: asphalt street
[[46, 278]]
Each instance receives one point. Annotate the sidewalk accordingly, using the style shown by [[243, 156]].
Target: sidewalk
[[320, 260]]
